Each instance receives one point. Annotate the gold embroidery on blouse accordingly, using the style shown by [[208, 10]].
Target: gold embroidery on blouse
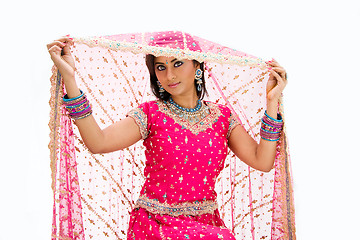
[[197, 127], [233, 122], [141, 120]]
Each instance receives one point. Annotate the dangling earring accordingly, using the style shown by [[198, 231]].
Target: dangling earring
[[198, 75], [161, 90]]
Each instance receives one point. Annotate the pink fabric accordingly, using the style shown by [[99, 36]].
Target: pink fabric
[[174, 175], [175, 40], [145, 225], [67, 202], [94, 194]]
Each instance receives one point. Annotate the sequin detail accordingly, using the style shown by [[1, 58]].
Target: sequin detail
[[141, 120], [194, 115], [185, 208], [233, 122], [186, 53], [211, 115]]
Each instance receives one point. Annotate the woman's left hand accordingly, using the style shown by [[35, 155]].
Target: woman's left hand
[[277, 81]]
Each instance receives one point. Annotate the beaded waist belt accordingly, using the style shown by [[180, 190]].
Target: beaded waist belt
[[185, 208]]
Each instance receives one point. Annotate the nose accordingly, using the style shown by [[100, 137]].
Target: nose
[[170, 74]]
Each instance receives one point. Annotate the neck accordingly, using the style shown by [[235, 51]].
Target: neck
[[186, 102]]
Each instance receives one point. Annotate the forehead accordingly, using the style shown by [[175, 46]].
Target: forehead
[[163, 59]]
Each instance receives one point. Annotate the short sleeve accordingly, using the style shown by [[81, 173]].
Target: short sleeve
[[139, 114], [233, 122]]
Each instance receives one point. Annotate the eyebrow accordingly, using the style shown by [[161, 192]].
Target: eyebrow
[[163, 63]]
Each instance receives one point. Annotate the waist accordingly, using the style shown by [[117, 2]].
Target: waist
[[176, 209]]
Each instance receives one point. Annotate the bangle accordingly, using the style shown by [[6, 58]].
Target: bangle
[[67, 99], [271, 128], [78, 107]]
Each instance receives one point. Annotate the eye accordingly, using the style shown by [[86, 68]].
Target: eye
[[160, 67], [178, 64]]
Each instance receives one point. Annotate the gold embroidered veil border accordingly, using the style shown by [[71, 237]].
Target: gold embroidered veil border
[[93, 193]]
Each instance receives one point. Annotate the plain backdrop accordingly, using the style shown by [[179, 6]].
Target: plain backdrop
[[317, 42]]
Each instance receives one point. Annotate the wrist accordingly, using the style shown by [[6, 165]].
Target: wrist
[[272, 108], [71, 88]]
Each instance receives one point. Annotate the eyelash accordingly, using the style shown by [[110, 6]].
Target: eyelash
[[176, 64]]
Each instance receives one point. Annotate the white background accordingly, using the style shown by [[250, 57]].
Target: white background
[[316, 41]]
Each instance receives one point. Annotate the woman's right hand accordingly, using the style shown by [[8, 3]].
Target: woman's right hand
[[65, 63]]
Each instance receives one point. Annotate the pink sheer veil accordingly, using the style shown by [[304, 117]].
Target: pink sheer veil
[[93, 193]]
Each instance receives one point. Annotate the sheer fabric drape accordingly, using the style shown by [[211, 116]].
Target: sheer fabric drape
[[93, 194]]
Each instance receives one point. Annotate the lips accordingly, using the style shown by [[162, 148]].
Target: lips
[[174, 85]]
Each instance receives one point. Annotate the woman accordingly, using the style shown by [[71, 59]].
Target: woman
[[186, 142]]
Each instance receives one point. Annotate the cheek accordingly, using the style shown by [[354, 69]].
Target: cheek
[[189, 72], [159, 75]]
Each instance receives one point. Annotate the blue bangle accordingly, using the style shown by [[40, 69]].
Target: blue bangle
[[279, 118], [66, 99], [271, 140]]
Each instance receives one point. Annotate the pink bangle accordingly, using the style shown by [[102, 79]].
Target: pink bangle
[[271, 128], [79, 107]]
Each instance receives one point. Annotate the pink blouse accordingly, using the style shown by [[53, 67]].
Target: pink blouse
[[183, 159]]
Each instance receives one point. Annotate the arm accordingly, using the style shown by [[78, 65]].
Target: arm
[[119, 135], [260, 156]]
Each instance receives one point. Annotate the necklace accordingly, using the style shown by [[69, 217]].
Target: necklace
[[196, 108], [193, 115]]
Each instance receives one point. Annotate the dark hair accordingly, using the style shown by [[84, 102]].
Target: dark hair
[[153, 79]]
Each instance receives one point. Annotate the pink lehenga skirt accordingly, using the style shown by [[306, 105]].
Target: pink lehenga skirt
[[146, 225]]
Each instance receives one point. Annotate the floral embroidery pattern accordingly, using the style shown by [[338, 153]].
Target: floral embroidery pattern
[[198, 127]]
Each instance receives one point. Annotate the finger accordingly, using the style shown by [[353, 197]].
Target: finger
[[279, 69], [273, 63], [55, 51], [62, 40], [65, 39], [66, 50], [56, 42], [60, 63], [278, 77], [68, 41], [55, 54], [65, 47]]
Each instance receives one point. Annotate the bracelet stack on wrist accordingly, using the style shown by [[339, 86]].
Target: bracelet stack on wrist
[[78, 107], [271, 128]]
